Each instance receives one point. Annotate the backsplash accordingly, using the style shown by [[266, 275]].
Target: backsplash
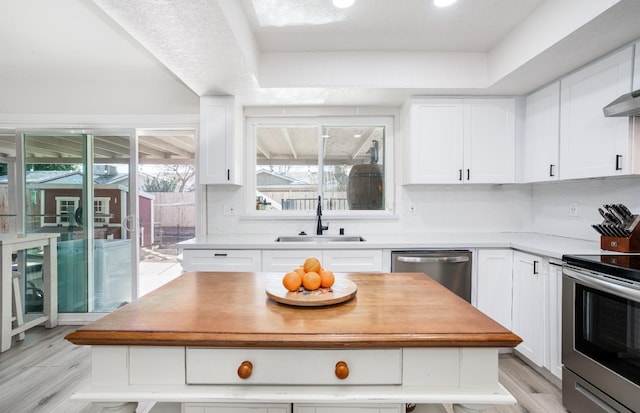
[[438, 208], [550, 204], [539, 207]]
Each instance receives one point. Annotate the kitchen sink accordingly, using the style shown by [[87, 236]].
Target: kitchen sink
[[320, 238]]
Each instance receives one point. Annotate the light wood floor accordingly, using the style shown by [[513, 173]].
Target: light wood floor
[[41, 373]]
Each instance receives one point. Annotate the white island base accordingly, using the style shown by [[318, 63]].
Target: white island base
[[205, 380]]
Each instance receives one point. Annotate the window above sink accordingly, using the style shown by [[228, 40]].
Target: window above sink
[[347, 161]]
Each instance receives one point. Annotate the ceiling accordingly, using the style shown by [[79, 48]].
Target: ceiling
[[374, 25], [298, 145], [154, 147], [291, 52], [378, 52]]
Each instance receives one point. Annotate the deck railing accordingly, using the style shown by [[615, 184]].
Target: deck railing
[[310, 204]]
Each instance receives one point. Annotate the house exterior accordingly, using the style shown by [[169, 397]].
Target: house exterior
[[56, 196]]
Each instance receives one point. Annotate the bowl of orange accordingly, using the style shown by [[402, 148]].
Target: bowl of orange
[[311, 285]]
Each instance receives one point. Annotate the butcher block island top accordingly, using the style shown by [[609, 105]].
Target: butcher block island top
[[227, 309]]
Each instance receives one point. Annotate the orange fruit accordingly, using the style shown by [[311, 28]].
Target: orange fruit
[[312, 264], [311, 281], [292, 281], [326, 279], [300, 271]]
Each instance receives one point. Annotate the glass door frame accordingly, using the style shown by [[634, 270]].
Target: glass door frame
[[130, 223]]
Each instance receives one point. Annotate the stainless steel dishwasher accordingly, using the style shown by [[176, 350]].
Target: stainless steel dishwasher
[[451, 268]]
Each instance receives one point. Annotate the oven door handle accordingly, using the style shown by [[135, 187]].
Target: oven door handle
[[608, 287]]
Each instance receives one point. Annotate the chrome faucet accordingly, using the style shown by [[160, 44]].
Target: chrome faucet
[[320, 228]]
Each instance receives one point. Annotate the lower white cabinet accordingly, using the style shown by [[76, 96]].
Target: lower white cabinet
[[286, 260], [346, 260], [530, 273], [221, 260], [235, 408], [351, 408], [553, 350], [495, 284]]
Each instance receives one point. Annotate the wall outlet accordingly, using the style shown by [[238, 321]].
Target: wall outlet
[[573, 210], [412, 208], [229, 209]]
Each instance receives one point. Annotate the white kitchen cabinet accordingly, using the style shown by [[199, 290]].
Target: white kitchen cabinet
[[489, 141], [434, 147], [553, 350], [286, 260], [495, 284], [345, 260], [459, 141], [221, 260], [590, 144], [348, 260], [219, 151], [530, 274], [235, 408], [540, 152]]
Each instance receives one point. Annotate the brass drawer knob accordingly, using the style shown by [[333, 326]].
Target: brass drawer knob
[[245, 369], [342, 370]]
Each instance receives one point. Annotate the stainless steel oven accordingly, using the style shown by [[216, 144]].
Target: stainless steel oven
[[601, 333]]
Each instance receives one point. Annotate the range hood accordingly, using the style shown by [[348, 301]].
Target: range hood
[[626, 105]]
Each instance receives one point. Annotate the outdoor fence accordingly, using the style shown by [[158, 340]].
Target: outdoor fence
[[167, 236]]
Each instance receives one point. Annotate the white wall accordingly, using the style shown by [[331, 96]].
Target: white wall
[[68, 57], [550, 204]]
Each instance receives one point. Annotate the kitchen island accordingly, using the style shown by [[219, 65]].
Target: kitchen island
[[214, 341]]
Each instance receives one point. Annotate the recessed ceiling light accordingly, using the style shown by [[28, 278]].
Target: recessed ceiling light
[[343, 4], [357, 136], [443, 3]]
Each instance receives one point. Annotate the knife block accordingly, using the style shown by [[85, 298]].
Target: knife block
[[623, 244]]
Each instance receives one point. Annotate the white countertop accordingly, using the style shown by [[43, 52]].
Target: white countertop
[[547, 245]]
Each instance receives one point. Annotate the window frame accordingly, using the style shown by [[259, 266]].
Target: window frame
[[252, 122], [59, 215], [104, 202]]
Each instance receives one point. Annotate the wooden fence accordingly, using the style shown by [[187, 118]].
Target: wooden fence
[[174, 209]]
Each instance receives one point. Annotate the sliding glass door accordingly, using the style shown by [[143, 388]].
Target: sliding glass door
[[80, 186]]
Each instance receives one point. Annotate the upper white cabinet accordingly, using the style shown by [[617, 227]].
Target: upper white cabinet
[[590, 144], [540, 152], [435, 141], [489, 140], [218, 152], [459, 141]]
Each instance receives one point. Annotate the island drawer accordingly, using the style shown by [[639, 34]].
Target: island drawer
[[350, 408], [235, 408], [294, 366]]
